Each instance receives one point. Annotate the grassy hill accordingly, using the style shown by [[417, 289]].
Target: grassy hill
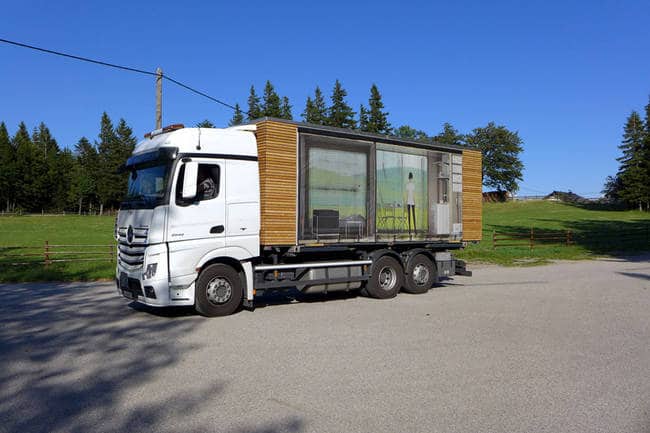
[[595, 230]]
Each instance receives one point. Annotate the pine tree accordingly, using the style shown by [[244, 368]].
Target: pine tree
[[126, 142], [632, 165], [271, 101], [84, 184], [363, 118], [449, 135], [237, 117], [47, 183], [377, 118], [205, 124], [65, 166], [285, 109], [108, 182], [27, 160], [308, 113], [315, 109], [254, 109], [646, 158], [340, 114], [7, 170]]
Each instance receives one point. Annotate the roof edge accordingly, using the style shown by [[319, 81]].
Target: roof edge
[[353, 133]]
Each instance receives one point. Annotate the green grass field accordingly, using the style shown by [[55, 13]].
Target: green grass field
[[596, 231], [30, 233]]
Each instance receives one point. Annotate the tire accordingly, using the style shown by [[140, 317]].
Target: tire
[[386, 279], [218, 291], [420, 275]]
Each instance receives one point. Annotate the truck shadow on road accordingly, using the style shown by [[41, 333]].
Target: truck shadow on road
[[635, 275], [74, 359], [294, 296]]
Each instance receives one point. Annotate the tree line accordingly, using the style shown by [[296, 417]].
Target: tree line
[[37, 175], [502, 166], [631, 184]]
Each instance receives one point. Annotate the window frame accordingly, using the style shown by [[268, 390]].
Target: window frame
[[180, 177]]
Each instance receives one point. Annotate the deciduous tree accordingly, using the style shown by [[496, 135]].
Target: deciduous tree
[[410, 133], [450, 135], [502, 168]]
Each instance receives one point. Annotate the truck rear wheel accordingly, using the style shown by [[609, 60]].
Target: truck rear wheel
[[386, 279], [218, 291], [420, 274]]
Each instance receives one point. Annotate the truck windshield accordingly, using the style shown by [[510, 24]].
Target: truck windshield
[[147, 185]]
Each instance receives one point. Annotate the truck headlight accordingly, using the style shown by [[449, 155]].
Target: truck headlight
[[151, 271]]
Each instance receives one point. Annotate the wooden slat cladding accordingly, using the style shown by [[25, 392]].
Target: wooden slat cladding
[[472, 196], [277, 155]]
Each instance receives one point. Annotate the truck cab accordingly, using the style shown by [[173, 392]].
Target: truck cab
[[193, 199]]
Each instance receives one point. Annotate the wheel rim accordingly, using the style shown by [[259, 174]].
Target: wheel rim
[[420, 274], [219, 290], [387, 278]]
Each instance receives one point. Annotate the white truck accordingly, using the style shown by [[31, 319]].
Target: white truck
[[214, 217]]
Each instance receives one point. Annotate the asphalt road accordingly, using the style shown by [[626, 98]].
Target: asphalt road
[[559, 348]]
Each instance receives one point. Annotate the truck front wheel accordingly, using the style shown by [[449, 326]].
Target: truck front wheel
[[386, 279], [420, 274], [218, 291]]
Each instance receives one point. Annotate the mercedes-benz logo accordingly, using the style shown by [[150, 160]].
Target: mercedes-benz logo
[[129, 234]]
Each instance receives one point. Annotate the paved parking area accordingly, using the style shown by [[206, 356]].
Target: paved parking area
[[564, 347]]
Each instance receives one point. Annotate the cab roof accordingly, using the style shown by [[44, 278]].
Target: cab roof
[[202, 141]]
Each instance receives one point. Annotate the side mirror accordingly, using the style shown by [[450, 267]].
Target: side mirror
[[189, 182]]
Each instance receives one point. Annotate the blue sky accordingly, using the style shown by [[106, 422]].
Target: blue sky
[[564, 74]]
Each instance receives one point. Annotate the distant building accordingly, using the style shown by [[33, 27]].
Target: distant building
[[496, 196], [566, 197]]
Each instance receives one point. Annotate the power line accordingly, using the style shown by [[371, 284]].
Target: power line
[[124, 68]]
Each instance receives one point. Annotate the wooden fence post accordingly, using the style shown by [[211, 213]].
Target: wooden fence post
[[494, 239], [568, 238], [532, 239], [47, 253]]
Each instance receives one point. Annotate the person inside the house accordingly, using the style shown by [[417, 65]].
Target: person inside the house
[[410, 202]]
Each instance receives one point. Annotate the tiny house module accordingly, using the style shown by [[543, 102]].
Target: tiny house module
[[323, 185]]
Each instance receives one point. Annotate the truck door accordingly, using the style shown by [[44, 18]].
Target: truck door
[[197, 226]]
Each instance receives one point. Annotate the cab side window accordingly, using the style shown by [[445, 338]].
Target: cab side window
[[207, 183]]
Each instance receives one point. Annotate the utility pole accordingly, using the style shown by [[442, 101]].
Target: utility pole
[[159, 76]]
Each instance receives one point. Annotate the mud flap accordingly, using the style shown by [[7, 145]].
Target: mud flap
[[461, 268]]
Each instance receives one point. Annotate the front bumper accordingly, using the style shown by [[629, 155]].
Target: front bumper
[[155, 290], [155, 293]]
